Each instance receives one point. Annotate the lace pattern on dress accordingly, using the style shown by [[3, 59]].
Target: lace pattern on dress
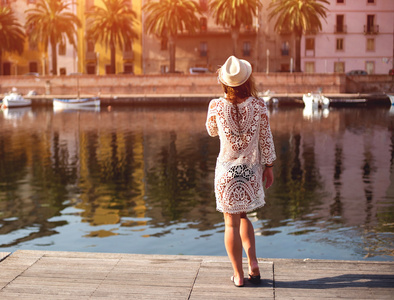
[[246, 144]]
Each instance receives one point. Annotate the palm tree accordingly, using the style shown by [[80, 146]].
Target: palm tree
[[112, 25], [168, 17], [234, 14], [50, 23], [11, 34], [298, 16]]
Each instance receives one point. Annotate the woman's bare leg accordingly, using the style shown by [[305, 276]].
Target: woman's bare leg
[[249, 244], [233, 243]]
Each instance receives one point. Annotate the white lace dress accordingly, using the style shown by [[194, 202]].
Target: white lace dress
[[244, 149]]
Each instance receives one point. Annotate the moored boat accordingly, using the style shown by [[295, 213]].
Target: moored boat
[[391, 98], [14, 99], [315, 100], [268, 98], [75, 103]]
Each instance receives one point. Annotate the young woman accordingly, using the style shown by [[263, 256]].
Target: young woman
[[245, 161]]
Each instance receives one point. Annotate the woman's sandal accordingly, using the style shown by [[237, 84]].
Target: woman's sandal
[[255, 279], [232, 279]]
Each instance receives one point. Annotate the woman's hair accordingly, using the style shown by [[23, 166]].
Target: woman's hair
[[233, 94], [246, 89]]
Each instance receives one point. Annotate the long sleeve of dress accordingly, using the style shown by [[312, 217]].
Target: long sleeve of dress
[[266, 142], [211, 124]]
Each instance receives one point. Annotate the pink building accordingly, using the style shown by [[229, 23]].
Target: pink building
[[357, 35]]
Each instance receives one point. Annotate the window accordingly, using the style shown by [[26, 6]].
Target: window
[[7, 68], [33, 67], [285, 49], [370, 44], [91, 68], [340, 1], [309, 47], [107, 69], [340, 24], [371, 1], [285, 67], [128, 69], [339, 44], [163, 69], [203, 49], [203, 24], [309, 67], [371, 28], [339, 67], [246, 49]]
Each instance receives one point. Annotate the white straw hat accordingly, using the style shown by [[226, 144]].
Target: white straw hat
[[235, 72]]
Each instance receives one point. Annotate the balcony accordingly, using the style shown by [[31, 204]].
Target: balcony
[[285, 52], [371, 29], [340, 29]]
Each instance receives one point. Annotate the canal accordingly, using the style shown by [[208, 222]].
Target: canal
[[140, 180]]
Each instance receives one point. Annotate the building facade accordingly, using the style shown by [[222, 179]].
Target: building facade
[[212, 45], [89, 57], [94, 58], [357, 35], [33, 59]]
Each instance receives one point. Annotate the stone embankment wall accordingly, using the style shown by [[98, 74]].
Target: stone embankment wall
[[370, 84], [192, 84]]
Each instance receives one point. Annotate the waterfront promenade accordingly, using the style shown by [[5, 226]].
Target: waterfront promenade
[[75, 275]]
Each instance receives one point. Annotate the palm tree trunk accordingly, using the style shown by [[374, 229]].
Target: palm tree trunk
[[54, 57], [234, 37], [1, 62], [113, 59], [298, 51], [171, 49]]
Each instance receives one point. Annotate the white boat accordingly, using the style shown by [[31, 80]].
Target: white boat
[[59, 104], [315, 100], [268, 98], [14, 99], [391, 98]]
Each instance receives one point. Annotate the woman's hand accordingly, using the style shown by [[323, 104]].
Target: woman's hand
[[268, 175]]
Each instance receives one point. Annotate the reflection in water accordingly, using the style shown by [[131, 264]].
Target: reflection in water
[[141, 180]]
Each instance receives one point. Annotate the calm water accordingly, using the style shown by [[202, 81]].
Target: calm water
[[140, 180]]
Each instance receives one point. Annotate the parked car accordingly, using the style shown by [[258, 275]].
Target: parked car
[[32, 74], [198, 70], [357, 72]]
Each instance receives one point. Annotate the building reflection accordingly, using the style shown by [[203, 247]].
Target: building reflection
[[150, 168]]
